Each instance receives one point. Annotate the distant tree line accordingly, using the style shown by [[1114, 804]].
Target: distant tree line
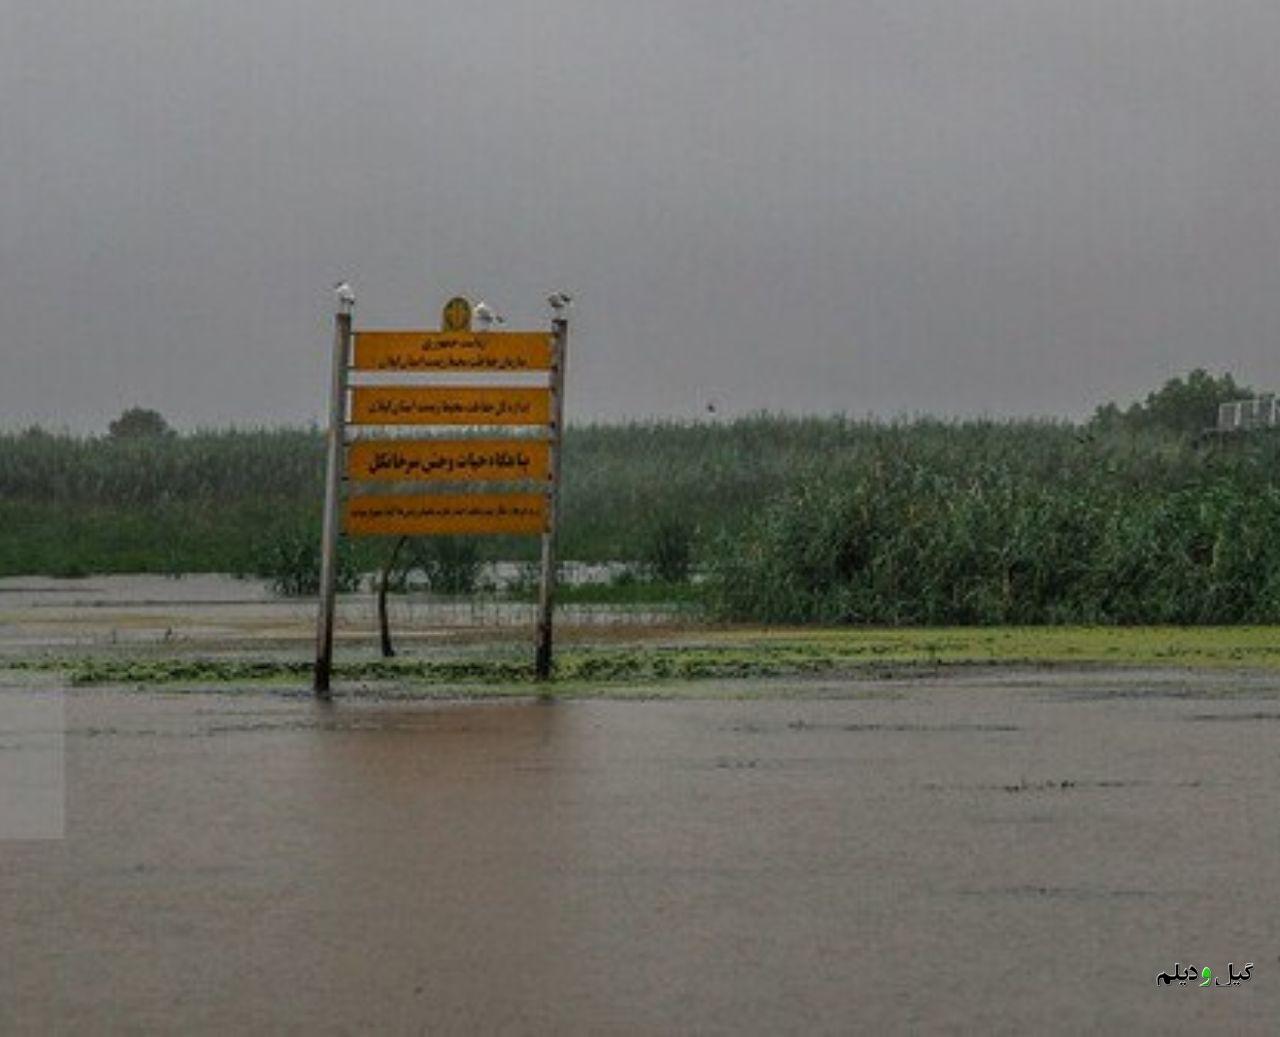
[[1188, 405]]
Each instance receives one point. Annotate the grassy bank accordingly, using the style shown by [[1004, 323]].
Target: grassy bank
[[718, 656]]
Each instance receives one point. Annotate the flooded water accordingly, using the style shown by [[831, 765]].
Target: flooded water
[[219, 611], [1012, 859]]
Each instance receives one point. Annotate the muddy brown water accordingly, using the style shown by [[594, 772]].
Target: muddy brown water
[[1011, 857]]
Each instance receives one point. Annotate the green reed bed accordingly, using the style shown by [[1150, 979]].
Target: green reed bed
[[806, 520]]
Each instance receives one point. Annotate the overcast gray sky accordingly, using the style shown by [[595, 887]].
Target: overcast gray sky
[[873, 206]]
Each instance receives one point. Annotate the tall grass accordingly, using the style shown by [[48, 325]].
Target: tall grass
[[1013, 524], [795, 519], [210, 501]]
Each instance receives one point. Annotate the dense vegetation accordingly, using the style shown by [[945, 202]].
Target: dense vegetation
[[1015, 524], [216, 501], [1129, 518], [153, 503]]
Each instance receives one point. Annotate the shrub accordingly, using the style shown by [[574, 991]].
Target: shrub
[[905, 543], [290, 559], [451, 564], [666, 551]]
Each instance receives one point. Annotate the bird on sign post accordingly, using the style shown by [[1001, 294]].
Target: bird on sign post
[[345, 295], [487, 316]]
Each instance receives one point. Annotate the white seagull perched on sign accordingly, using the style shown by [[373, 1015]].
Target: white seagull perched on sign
[[344, 293], [560, 301], [487, 316]]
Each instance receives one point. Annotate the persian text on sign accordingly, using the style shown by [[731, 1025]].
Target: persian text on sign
[[426, 515], [452, 351], [440, 405], [448, 460]]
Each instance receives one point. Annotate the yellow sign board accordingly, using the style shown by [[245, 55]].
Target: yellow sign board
[[477, 460], [426, 515], [452, 351], [447, 405]]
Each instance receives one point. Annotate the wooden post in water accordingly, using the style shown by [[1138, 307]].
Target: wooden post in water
[[332, 490], [546, 593]]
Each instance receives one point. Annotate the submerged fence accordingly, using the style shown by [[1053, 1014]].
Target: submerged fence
[[418, 611], [496, 602]]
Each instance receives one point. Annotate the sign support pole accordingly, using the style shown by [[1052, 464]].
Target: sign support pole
[[332, 492], [546, 593]]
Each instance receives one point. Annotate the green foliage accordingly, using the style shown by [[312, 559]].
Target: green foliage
[[635, 670], [618, 478], [58, 538], [221, 469], [290, 559], [796, 519], [1037, 527], [451, 564], [666, 550], [139, 423], [1188, 405]]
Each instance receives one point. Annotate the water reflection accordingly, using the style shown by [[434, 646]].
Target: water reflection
[[441, 833]]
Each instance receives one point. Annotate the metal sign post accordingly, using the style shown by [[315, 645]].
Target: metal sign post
[[332, 491], [547, 591], [487, 461]]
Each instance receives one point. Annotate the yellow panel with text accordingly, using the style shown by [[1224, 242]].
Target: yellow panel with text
[[438, 515], [446, 405], [453, 351], [450, 460]]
